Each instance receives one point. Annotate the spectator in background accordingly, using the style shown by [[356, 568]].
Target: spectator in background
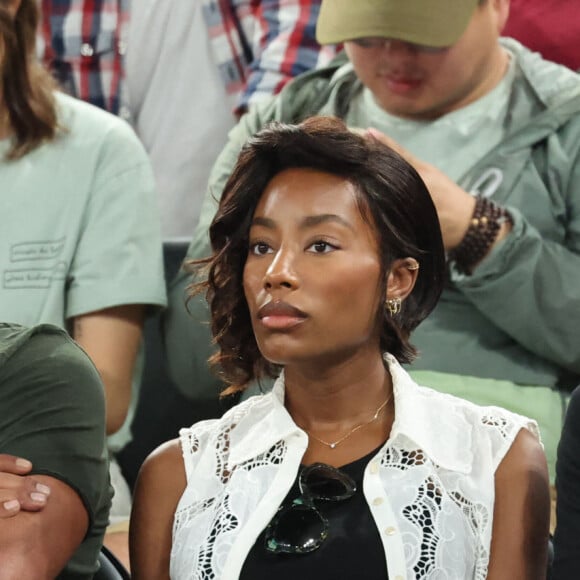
[[193, 66], [495, 133], [550, 27], [54, 487], [83, 44], [79, 231]]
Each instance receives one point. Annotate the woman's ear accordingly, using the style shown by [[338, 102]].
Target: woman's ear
[[402, 277]]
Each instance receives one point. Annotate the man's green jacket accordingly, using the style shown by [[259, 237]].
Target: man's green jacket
[[518, 316]]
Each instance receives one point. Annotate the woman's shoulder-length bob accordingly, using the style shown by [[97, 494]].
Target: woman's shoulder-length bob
[[391, 197]]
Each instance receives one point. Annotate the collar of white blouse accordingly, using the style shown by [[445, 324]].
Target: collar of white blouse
[[418, 424]]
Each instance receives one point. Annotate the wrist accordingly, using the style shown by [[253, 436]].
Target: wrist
[[456, 229], [489, 224]]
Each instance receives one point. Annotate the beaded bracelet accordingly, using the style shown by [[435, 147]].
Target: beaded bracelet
[[483, 229]]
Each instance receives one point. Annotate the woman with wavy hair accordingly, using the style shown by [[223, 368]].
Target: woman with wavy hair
[[327, 254], [80, 239]]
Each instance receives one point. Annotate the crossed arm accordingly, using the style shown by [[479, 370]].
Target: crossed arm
[[526, 312], [518, 547], [58, 496], [39, 516]]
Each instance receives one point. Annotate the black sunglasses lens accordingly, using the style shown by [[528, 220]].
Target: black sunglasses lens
[[320, 481], [297, 529], [300, 528]]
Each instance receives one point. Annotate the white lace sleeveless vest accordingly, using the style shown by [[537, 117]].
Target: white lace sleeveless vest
[[430, 488]]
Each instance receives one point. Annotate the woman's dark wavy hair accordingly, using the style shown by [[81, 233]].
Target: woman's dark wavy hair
[[26, 87], [392, 198]]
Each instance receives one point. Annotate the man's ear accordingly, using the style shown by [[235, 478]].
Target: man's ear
[[402, 277], [502, 12]]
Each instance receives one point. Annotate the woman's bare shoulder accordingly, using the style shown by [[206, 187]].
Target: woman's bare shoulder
[[164, 467]]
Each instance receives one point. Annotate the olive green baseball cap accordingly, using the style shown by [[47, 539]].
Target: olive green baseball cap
[[436, 23]]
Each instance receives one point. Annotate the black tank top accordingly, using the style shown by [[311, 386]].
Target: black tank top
[[352, 551]]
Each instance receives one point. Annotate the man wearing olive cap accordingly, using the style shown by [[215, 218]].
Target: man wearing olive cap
[[494, 131]]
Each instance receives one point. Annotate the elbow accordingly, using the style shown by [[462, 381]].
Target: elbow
[[117, 402], [115, 420]]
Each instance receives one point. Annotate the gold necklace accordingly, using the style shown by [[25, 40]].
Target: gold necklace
[[333, 444]]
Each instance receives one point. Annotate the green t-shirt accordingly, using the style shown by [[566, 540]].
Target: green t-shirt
[[80, 226], [53, 413], [448, 142]]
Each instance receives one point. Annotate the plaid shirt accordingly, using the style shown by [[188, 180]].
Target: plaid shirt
[[259, 45], [83, 43]]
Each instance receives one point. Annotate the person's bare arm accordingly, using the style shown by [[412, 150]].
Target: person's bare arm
[[158, 489], [111, 337], [521, 517], [39, 544]]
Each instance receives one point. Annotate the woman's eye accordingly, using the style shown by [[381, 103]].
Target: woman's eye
[[260, 249], [321, 247]]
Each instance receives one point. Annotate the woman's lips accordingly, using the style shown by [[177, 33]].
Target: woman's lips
[[281, 322], [278, 315]]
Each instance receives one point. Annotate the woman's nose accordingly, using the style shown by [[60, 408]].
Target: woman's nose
[[281, 272]]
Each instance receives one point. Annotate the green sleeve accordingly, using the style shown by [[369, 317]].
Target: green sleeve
[[120, 227], [53, 413], [529, 286]]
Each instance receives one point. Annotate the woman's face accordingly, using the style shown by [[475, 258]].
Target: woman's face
[[312, 276]]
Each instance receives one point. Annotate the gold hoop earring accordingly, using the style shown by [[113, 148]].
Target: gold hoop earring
[[393, 306]]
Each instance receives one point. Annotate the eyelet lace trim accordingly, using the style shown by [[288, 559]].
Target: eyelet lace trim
[[216, 519], [428, 499]]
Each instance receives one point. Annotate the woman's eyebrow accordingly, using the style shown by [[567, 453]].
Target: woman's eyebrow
[[307, 222], [264, 222], [315, 220]]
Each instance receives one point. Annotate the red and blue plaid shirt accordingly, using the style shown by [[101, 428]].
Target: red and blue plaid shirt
[[262, 44], [83, 43], [259, 45]]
